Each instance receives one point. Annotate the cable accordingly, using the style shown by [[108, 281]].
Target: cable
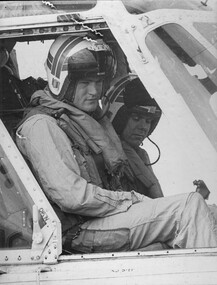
[[159, 153]]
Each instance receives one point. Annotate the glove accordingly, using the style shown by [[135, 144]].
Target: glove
[[202, 188]]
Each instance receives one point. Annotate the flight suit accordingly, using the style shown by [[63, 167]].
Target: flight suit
[[116, 220]]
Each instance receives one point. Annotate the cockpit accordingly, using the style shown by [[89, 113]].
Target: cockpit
[[173, 54]]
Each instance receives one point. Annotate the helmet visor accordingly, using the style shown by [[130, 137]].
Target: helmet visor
[[146, 111], [87, 63]]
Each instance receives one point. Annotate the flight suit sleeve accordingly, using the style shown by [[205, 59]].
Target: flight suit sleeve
[[155, 190], [49, 150]]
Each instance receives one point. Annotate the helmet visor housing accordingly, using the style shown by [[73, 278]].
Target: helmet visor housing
[[137, 100], [73, 58], [89, 63]]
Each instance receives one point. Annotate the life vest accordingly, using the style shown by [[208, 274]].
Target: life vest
[[146, 181], [87, 153]]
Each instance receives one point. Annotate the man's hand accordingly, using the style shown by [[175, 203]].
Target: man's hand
[[202, 188]]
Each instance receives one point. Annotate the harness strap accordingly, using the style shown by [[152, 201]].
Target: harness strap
[[75, 131], [69, 236]]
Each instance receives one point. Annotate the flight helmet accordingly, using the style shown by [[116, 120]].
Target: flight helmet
[[72, 58], [137, 100]]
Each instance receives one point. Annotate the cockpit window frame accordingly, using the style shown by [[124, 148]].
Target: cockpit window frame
[[44, 239], [147, 23]]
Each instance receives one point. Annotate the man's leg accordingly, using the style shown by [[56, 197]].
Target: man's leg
[[213, 210], [181, 221]]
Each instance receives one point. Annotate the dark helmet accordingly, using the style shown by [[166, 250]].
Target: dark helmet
[[136, 100], [71, 58]]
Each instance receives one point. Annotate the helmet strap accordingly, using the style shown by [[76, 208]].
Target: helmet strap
[[68, 91]]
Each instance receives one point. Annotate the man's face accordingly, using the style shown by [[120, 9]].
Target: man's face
[[87, 94], [136, 129]]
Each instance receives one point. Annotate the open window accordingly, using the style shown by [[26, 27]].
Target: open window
[[195, 67]]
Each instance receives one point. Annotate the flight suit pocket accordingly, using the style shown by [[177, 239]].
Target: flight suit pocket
[[103, 241]]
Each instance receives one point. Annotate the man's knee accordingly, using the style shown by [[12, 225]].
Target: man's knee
[[196, 198], [196, 205]]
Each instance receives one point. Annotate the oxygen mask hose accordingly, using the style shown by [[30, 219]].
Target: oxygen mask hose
[[159, 153]]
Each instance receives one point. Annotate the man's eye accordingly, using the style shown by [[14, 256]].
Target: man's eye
[[135, 118], [84, 82]]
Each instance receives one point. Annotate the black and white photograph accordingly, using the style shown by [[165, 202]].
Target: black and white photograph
[[108, 142]]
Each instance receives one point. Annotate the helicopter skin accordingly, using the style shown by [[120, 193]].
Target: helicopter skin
[[171, 46]]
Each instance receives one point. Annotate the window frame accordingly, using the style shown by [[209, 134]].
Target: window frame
[[145, 65], [41, 251]]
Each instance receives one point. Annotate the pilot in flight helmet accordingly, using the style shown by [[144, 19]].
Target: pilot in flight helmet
[[72, 58], [136, 99]]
